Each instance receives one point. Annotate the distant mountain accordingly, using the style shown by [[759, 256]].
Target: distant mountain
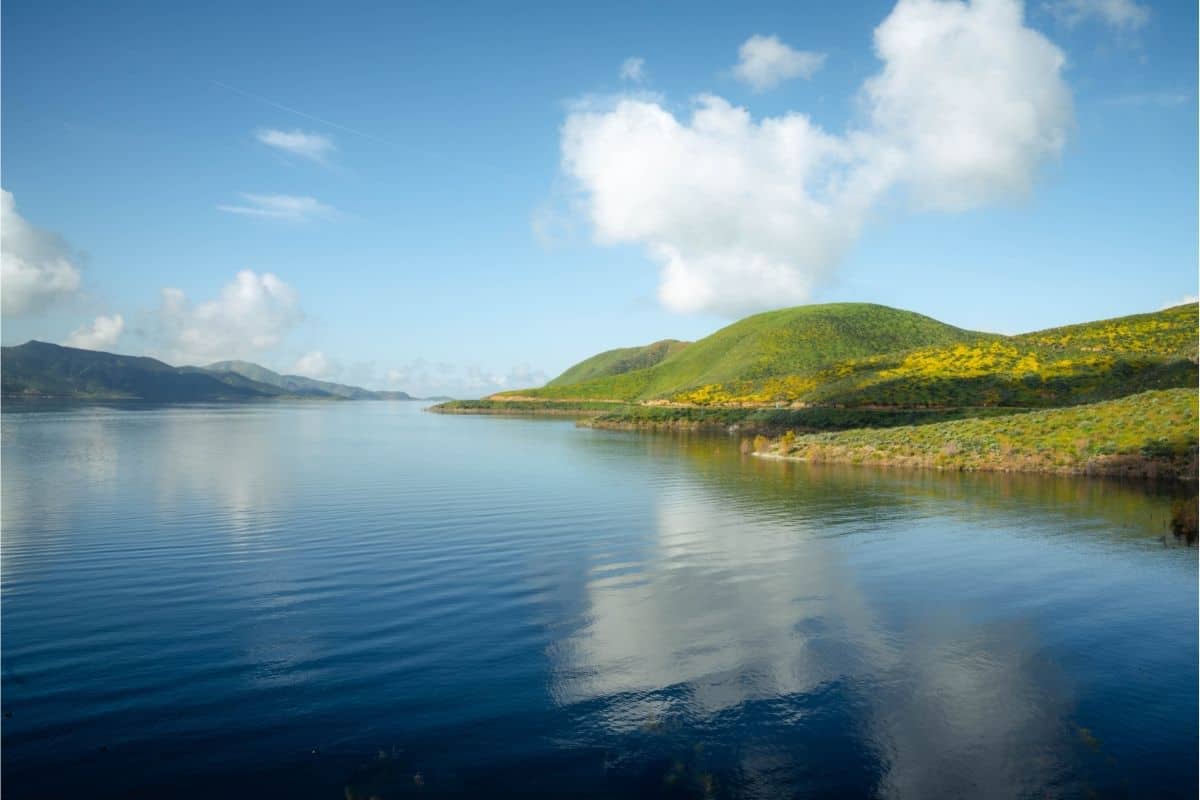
[[41, 369], [44, 369], [300, 385]]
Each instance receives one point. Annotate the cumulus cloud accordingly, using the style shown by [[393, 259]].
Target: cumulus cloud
[[744, 214], [36, 267], [765, 62], [102, 334], [251, 315], [424, 378], [1120, 14], [315, 364], [633, 69], [312, 146], [279, 206], [969, 98]]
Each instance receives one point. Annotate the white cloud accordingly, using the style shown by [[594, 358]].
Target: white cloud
[[633, 69], [1185, 300], [36, 267], [312, 146], [970, 97], [102, 334], [765, 61], [251, 315], [1120, 14], [744, 214], [279, 206], [315, 364], [422, 378]]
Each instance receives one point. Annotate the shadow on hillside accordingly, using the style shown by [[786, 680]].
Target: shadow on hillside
[[1124, 377]]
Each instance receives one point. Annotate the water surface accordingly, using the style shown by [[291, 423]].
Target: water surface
[[361, 599]]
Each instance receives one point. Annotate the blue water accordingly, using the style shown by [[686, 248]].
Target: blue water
[[355, 600]]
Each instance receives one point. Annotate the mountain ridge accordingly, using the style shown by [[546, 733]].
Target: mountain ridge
[[43, 369]]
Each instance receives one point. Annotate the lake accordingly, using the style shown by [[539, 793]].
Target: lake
[[356, 600]]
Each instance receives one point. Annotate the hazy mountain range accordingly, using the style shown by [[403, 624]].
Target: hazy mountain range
[[41, 369]]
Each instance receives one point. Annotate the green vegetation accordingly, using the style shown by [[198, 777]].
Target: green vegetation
[[867, 356], [619, 361], [767, 346], [995, 373], [773, 420], [1170, 333], [892, 387], [514, 407], [40, 369], [1152, 434]]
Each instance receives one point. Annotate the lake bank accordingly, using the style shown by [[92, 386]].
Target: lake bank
[[1150, 435], [1147, 435], [522, 408], [616, 415]]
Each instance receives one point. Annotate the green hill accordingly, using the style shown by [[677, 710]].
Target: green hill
[[859, 355], [1062, 366], [771, 345], [1167, 334], [619, 361]]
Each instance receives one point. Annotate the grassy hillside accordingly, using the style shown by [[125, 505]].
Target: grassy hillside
[[42, 369], [619, 361], [1170, 333], [1063, 366], [1152, 434], [862, 356], [770, 420], [770, 346]]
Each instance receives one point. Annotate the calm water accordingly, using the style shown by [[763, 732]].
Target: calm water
[[361, 599]]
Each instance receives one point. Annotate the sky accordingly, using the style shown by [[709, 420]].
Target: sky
[[462, 198]]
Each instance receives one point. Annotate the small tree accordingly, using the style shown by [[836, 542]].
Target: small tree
[[761, 443]]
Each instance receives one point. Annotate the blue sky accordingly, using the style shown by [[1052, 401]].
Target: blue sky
[[460, 198]]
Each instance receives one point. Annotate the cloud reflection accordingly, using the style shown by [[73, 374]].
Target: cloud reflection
[[735, 610]]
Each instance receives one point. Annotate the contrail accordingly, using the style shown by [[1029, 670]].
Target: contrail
[[297, 112]]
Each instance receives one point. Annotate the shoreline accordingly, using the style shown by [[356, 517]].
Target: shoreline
[[1151, 435], [619, 415], [1148, 435], [1135, 468]]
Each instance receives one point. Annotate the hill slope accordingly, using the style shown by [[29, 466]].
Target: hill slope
[[776, 343], [619, 361], [41, 369], [300, 385], [1169, 333], [44, 369], [860, 355], [1151, 434]]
